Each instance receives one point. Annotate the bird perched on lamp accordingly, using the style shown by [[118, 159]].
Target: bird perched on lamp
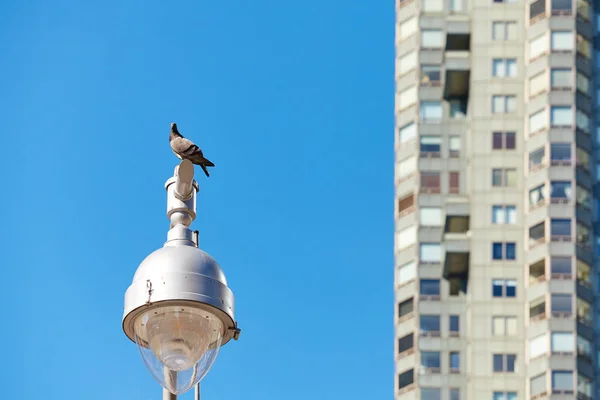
[[186, 149]]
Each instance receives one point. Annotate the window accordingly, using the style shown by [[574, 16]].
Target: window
[[454, 323], [407, 133], [504, 30], [584, 386], [537, 234], [504, 326], [560, 229], [538, 47], [505, 1], [504, 251], [560, 266], [504, 215], [429, 325], [537, 158], [454, 362], [582, 158], [407, 28], [561, 78], [584, 46], [430, 181], [562, 304], [562, 342], [430, 146], [582, 121], [430, 216], [406, 379], [504, 288], [406, 168], [456, 6], [560, 191], [455, 394], [537, 272], [537, 385], [432, 39], [504, 177], [560, 153], [430, 361], [584, 276], [428, 393], [583, 83], [505, 395], [538, 346], [406, 273], [537, 309], [406, 238], [562, 381], [504, 362], [503, 140], [537, 10], [537, 121], [405, 308], [457, 285], [431, 75], [583, 197], [458, 108], [503, 104], [430, 253], [504, 67], [454, 182], [432, 6], [454, 146], [561, 116], [561, 7], [406, 204], [406, 344], [429, 288], [407, 98], [537, 196], [584, 312], [583, 235], [584, 347], [407, 62], [430, 111], [538, 84], [562, 41]]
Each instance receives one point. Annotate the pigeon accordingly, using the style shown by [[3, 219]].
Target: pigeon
[[185, 149]]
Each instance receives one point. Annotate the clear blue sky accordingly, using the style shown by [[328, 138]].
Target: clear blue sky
[[293, 101]]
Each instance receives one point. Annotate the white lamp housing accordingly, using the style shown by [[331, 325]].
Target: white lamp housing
[[178, 309]]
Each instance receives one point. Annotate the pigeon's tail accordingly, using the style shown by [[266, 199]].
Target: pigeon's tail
[[208, 163], [204, 169]]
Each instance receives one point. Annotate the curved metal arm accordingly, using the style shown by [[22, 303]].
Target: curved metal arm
[[184, 178]]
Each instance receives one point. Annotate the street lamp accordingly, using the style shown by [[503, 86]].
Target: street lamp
[[178, 309]]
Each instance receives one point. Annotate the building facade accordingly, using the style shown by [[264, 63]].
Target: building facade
[[495, 200]]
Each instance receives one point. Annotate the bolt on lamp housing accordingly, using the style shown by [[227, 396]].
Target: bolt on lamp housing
[[178, 309]]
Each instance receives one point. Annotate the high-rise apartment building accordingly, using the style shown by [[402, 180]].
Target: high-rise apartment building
[[495, 203]]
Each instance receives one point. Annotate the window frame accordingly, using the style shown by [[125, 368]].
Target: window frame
[[506, 359]]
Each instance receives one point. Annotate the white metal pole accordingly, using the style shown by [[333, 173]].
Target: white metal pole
[[168, 395]]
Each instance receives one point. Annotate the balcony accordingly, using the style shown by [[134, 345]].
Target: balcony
[[562, 7], [537, 310], [537, 272], [537, 235], [456, 263], [537, 11], [457, 64]]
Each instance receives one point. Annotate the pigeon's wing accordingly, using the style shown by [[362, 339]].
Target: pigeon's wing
[[186, 148]]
